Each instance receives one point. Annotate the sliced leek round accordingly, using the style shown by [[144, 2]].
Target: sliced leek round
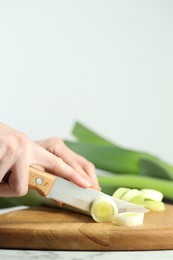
[[154, 205], [130, 219], [120, 192], [134, 196], [150, 194], [104, 209]]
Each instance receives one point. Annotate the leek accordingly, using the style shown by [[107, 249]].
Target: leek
[[120, 192], [150, 194], [108, 158], [130, 219], [104, 209], [134, 196], [32, 198], [83, 133], [148, 198], [130, 161], [154, 205], [121, 160], [110, 183]]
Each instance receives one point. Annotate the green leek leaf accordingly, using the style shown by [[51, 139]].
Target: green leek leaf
[[108, 158], [119, 161], [84, 134]]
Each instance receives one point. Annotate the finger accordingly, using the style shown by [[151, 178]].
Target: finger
[[90, 169], [77, 162], [76, 166], [82, 165], [17, 184], [7, 160], [39, 167], [56, 165]]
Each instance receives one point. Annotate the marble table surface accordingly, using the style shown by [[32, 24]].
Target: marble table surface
[[81, 255], [89, 255]]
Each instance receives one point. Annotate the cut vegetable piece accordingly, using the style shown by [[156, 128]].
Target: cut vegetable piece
[[150, 194], [134, 196], [120, 192], [104, 209], [130, 219], [154, 205]]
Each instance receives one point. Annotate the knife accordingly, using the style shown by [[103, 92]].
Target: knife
[[57, 188]]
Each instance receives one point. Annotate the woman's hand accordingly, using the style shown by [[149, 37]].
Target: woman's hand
[[18, 152]]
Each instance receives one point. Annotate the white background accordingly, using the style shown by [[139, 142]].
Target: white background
[[106, 63]]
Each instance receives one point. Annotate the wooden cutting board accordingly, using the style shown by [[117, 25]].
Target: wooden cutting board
[[59, 229]]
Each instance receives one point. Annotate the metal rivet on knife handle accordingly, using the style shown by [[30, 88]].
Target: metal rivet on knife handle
[[41, 181], [38, 181]]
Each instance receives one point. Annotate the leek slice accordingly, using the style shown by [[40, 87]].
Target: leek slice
[[104, 209], [130, 219], [150, 194], [134, 196], [120, 192], [154, 205]]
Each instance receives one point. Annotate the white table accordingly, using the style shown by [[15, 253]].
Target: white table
[[76, 255]]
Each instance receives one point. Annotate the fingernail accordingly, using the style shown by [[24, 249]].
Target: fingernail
[[99, 188], [88, 184], [96, 187]]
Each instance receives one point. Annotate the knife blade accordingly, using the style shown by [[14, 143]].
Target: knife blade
[[57, 188]]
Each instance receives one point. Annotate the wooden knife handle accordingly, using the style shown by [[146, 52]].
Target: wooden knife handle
[[41, 181]]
